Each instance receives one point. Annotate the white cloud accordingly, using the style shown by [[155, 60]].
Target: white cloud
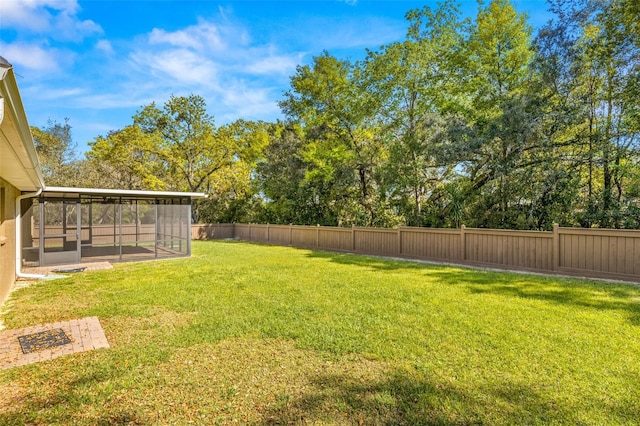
[[373, 33], [274, 64], [178, 38], [33, 57], [96, 128], [24, 15], [46, 93], [55, 18], [108, 101], [216, 59], [249, 103], [69, 27], [206, 35], [179, 65], [345, 33], [105, 46], [205, 56]]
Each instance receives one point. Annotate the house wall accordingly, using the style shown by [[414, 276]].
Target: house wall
[[8, 195]]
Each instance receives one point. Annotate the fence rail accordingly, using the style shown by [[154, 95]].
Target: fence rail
[[597, 253]]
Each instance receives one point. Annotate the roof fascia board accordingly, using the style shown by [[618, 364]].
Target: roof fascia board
[[13, 106], [121, 192]]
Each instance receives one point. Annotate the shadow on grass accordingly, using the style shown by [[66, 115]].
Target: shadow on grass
[[559, 290], [370, 262], [571, 292], [66, 393], [345, 393], [404, 398], [399, 398]]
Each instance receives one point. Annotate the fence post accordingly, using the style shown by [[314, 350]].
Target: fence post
[[463, 242], [555, 261], [290, 234], [250, 232], [353, 237], [318, 235], [399, 241], [268, 234]]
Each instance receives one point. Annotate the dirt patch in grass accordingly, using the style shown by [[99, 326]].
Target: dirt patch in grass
[[12, 395]]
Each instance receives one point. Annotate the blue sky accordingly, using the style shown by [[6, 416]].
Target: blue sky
[[97, 62]]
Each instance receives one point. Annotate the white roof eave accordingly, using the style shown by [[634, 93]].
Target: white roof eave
[[20, 164], [121, 192]]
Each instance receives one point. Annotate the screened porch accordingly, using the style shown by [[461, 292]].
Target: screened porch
[[71, 225]]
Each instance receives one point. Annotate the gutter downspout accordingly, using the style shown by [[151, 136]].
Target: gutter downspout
[[19, 272]]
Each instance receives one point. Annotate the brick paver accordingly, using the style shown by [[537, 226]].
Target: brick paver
[[85, 334]]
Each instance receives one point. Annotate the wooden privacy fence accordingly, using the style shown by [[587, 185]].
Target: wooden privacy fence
[[598, 253]]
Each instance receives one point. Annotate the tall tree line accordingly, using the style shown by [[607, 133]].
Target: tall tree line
[[466, 121]]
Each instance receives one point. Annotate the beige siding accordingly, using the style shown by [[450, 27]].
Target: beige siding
[[8, 195]]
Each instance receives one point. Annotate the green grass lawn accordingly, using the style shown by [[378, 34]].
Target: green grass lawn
[[273, 335]]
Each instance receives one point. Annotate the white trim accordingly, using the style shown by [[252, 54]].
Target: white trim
[[14, 108], [18, 242], [120, 192]]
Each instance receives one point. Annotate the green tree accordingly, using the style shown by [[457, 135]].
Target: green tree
[[631, 12], [419, 82], [505, 129], [330, 100], [500, 52], [233, 194], [128, 159], [597, 69], [187, 143], [55, 149], [292, 193]]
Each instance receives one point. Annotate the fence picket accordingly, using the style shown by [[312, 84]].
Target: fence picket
[[597, 253]]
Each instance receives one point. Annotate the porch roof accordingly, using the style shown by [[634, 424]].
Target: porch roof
[[65, 192]]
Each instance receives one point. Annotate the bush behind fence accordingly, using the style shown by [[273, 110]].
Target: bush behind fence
[[597, 253]]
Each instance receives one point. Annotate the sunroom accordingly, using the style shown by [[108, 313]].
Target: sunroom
[[80, 225]]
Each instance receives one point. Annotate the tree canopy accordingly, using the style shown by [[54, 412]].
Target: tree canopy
[[479, 121]]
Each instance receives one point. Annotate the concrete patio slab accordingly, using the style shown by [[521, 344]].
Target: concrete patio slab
[[46, 270]]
